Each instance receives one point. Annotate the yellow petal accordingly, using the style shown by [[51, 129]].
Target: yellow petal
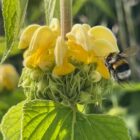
[[26, 36], [55, 26], [79, 35], [26, 54], [41, 58], [77, 52], [103, 48], [71, 35], [101, 32], [64, 69], [45, 61], [86, 27], [102, 69], [43, 37], [62, 66], [30, 61], [60, 51]]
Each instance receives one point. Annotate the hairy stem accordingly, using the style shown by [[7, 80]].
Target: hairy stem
[[66, 16]]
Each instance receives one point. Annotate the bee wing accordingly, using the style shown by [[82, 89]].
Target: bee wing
[[131, 51]]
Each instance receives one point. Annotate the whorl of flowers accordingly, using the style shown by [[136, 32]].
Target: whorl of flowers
[[71, 70]]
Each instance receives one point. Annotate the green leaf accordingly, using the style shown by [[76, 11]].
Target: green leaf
[[104, 6], [23, 6], [11, 123], [132, 87], [14, 51], [49, 10], [78, 5], [57, 9], [13, 15], [46, 120]]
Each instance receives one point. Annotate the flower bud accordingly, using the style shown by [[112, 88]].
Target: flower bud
[[96, 76], [8, 77]]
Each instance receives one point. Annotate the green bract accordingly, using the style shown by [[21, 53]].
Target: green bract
[[78, 87]]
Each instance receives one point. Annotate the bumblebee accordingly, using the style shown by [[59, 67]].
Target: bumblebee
[[118, 66]]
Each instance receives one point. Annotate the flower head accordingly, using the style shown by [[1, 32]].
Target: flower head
[[67, 69], [45, 47]]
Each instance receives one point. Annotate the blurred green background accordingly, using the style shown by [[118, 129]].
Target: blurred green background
[[123, 18]]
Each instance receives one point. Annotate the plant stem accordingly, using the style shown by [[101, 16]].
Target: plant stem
[[65, 16]]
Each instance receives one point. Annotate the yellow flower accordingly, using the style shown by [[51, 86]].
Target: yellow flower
[[92, 45], [62, 67], [40, 53], [8, 77], [85, 44], [26, 36]]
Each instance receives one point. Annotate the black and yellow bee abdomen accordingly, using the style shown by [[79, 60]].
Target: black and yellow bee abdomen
[[122, 70], [119, 63]]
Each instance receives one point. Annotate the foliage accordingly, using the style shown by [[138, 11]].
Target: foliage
[[13, 118], [8, 99], [13, 52], [35, 114], [48, 120], [13, 15]]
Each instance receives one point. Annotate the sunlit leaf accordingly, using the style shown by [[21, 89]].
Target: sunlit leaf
[[46, 120], [11, 123], [13, 16]]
